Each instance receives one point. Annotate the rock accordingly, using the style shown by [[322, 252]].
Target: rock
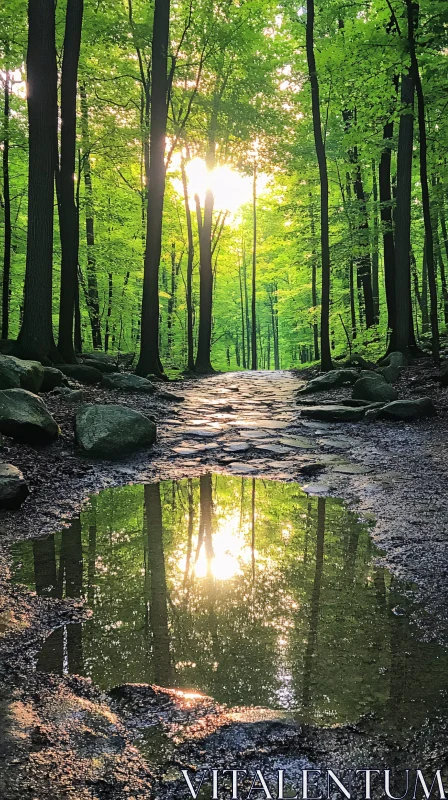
[[396, 358], [97, 363], [13, 487], [17, 373], [358, 361], [171, 397], [110, 431], [330, 380], [52, 379], [370, 373], [73, 395], [334, 413], [126, 382], [408, 410], [391, 372], [25, 417], [374, 388], [83, 374]]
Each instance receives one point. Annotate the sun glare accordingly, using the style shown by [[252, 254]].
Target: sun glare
[[231, 189]]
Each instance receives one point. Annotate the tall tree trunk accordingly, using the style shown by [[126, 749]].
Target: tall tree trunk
[[246, 303], [68, 216], [364, 265], [205, 224], [243, 333], [149, 360], [92, 297], [326, 362], [110, 295], [403, 309], [425, 315], [254, 364], [7, 210], [190, 259], [314, 281], [36, 334], [412, 9], [375, 252], [171, 300], [385, 191]]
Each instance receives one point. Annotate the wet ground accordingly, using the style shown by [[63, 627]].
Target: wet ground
[[244, 426]]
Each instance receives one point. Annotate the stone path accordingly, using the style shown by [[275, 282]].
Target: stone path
[[249, 424]]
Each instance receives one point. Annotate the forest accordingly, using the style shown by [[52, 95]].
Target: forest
[[223, 185]]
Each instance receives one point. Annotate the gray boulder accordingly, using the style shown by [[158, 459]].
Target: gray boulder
[[375, 389], [13, 487], [111, 431], [16, 373], [408, 410], [52, 379], [127, 383], [334, 413], [358, 361], [97, 363], [391, 372], [330, 380], [396, 358], [25, 417], [83, 374]]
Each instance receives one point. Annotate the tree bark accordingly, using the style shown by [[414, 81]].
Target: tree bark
[[375, 252], [36, 334], [254, 364], [403, 309], [326, 362], [412, 12], [149, 359], [190, 259], [314, 281], [385, 191], [205, 223], [68, 215], [7, 210], [92, 284]]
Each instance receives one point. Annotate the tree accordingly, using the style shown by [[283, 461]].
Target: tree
[[149, 360], [412, 15], [326, 362], [36, 334], [68, 213]]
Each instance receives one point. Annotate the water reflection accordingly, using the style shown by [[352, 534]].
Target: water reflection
[[247, 590]]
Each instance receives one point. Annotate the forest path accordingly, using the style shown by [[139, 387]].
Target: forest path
[[394, 473]]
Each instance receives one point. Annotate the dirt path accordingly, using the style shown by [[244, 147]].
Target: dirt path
[[241, 424]]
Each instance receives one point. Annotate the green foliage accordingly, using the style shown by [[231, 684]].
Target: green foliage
[[246, 62]]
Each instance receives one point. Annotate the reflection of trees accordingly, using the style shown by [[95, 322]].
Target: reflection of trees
[[315, 629], [158, 603], [62, 650], [310, 650]]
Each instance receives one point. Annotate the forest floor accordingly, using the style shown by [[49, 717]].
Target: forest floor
[[62, 737]]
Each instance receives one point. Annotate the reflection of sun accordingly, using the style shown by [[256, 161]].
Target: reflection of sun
[[230, 551]]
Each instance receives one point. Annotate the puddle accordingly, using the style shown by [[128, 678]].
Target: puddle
[[246, 590]]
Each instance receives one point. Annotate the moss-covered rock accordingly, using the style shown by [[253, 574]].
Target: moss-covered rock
[[25, 417], [111, 431]]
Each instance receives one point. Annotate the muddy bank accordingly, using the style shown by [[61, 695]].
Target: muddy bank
[[394, 472]]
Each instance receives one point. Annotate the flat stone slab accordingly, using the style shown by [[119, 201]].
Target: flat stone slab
[[237, 448], [352, 469], [273, 448], [334, 413], [297, 441]]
